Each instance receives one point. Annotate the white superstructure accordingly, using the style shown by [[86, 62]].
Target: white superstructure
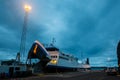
[[61, 59]]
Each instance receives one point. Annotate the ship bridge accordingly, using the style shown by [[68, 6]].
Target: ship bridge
[[38, 51]]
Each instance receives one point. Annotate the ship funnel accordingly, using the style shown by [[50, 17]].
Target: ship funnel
[[87, 62]]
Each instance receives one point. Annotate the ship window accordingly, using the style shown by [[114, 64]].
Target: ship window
[[67, 55], [53, 56]]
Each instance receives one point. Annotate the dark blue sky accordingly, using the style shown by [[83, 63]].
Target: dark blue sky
[[84, 28]]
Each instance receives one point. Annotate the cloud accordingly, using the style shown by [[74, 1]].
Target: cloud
[[90, 27]]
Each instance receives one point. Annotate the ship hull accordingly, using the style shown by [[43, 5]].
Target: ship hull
[[54, 68]]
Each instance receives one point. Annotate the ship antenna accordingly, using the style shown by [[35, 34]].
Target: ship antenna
[[53, 42]]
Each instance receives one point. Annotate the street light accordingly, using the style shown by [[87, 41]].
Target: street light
[[27, 8], [23, 36]]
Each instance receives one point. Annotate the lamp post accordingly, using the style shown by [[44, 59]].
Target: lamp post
[[108, 60], [118, 56], [21, 52]]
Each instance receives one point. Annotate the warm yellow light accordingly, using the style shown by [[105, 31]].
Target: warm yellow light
[[27, 8], [35, 49], [53, 61]]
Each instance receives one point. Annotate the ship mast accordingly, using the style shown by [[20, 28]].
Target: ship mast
[[53, 42]]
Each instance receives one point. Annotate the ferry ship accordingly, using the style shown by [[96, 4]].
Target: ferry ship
[[52, 59]]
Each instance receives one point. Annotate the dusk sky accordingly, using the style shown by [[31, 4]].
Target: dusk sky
[[84, 28]]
